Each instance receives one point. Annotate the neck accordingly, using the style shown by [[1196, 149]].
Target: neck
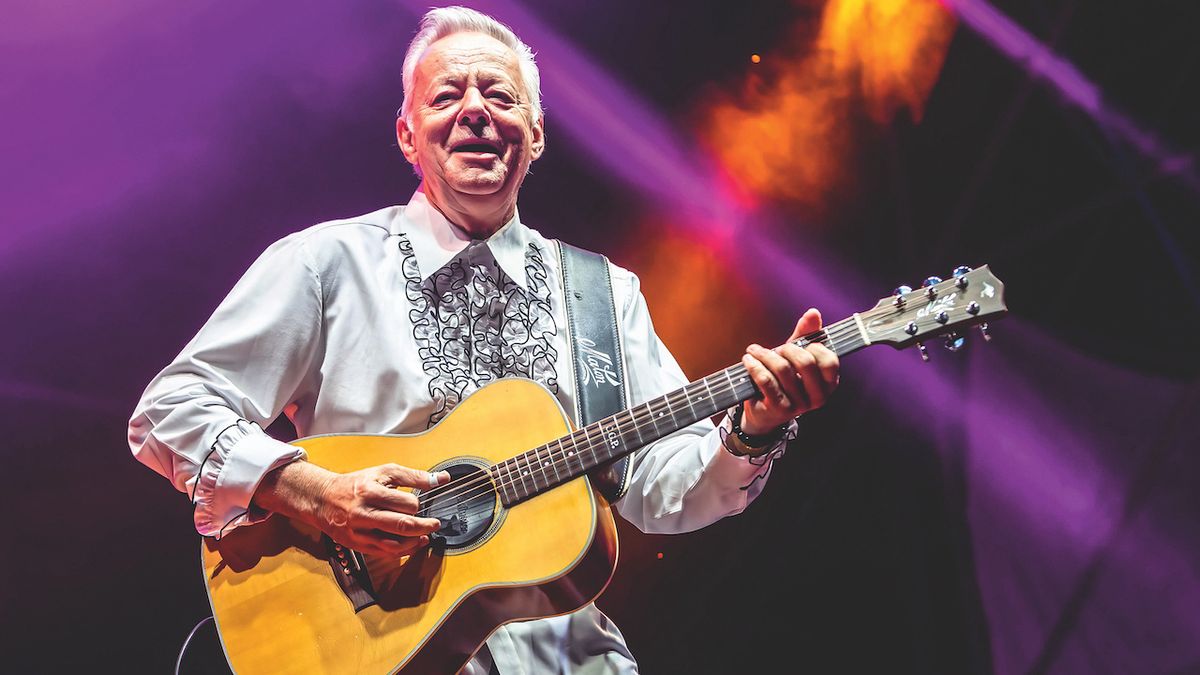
[[478, 217], [558, 461]]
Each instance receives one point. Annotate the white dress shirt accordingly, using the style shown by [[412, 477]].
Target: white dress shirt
[[381, 324]]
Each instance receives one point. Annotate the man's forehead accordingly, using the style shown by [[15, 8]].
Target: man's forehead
[[458, 53]]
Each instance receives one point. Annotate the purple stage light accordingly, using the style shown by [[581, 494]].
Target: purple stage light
[[1051, 438], [1076, 89]]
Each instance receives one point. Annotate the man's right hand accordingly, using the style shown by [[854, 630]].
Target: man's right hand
[[362, 510]]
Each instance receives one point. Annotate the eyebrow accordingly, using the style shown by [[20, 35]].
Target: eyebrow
[[486, 77]]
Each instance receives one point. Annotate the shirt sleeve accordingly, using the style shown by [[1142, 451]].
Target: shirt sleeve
[[200, 421], [686, 480]]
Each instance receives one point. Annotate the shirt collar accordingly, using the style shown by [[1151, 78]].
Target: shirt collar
[[435, 240]]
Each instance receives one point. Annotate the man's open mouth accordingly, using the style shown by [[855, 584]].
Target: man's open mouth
[[477, 147]]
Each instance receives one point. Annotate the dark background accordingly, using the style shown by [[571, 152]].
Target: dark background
[[143, 177]]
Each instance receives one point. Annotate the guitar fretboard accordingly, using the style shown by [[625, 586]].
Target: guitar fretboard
[[569, 457]]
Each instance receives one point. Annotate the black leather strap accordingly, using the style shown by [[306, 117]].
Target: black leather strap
[[596, 348]]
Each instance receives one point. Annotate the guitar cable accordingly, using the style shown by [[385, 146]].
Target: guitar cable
[[187, 640]]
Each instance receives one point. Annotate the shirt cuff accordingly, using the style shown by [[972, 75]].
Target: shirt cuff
[[745, 469], [235, 465]]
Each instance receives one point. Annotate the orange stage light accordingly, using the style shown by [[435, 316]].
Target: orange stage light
[[704, 310], [790, 131]]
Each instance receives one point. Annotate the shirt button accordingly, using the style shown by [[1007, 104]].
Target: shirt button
[[495, 306]]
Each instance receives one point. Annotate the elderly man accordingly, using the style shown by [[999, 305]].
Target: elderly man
[[384, 322]]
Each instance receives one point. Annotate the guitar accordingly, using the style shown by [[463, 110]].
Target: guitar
[[524, 534]]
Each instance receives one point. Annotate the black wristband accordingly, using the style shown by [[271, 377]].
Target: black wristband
[[759, 441]]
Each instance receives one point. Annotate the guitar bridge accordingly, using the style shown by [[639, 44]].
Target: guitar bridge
[[350, 571]]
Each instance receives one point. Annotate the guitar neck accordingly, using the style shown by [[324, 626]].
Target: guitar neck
[[571, 456]]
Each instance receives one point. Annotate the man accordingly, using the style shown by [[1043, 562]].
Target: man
[[382, 323]]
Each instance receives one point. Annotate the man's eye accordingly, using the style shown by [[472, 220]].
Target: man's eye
[[501, 96], [443, 97]]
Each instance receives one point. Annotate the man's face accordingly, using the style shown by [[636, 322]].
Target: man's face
[[471, 132]]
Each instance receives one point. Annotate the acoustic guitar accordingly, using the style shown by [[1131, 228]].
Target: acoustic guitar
[[524, 535]]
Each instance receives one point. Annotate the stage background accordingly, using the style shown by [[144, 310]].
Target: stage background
[[1024, 506]]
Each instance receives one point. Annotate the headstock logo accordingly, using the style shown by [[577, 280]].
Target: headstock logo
[[944, 302]]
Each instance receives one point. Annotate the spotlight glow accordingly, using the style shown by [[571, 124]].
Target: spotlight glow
[[794, 117]]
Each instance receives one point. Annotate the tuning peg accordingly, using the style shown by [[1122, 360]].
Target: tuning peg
[[924, 351], [900, 293], [929, 284], [983, 328], [955, 342], [960, 278]]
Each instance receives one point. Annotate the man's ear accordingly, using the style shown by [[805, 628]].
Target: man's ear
[[539, 137], [404, 138]]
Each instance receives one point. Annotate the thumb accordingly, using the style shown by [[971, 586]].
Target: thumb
[[810, 322]]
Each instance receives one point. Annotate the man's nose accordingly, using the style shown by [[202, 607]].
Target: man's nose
[[474, 113]]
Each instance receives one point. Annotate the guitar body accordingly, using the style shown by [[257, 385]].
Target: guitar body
[[275, 594]]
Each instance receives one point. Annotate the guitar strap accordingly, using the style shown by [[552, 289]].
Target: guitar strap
[[596, 348]]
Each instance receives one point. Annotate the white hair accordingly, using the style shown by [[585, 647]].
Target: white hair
[[442, 21]]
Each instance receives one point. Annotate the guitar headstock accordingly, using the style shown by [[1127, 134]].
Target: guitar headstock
[[971, 297]]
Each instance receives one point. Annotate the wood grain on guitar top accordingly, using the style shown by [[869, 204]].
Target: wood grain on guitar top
[[279, 609]]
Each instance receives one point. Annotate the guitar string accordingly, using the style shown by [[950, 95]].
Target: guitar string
[[535, 463], [834, 332], [580, 441], [672, 400], [638, 415], [488, 482]]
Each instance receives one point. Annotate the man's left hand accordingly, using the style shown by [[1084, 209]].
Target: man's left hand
[[793, 380]]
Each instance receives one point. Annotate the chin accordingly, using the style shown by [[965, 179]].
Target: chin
[[479, 185], [477, 189]]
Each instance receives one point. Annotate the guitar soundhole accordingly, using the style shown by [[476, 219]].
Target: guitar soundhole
[[466, 506]]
